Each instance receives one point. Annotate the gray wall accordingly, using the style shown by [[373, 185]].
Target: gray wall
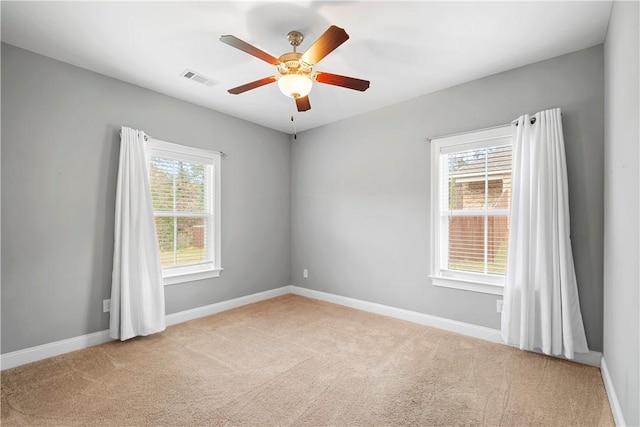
[[359, 193], [60, 150], [622, 211], [360, 189]]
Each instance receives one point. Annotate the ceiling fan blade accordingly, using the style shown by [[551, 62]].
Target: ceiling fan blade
[[250, 49], [326, 43], [342, 81], [252, 85], [303, 103]]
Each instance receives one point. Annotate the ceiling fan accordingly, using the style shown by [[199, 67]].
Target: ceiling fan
[[295, 70]]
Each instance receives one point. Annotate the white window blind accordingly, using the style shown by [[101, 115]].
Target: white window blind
[[475, 195], [185, 201]]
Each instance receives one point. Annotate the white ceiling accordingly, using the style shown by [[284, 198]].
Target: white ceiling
[[406, 49]]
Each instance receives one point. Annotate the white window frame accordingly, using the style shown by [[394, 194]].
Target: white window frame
[[210, 269], [440, 275]]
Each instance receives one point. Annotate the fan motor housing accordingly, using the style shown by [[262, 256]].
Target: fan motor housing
[[290, 63]]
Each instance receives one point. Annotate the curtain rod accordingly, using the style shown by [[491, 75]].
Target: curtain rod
[[146, 138], [532, 121]]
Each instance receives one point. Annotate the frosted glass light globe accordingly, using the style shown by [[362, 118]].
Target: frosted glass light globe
[[295, 85]]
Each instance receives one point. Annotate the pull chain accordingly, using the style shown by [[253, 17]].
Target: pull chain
[[295, 133]]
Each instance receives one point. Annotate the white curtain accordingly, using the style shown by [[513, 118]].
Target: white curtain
[[541, 308], [137, 293]]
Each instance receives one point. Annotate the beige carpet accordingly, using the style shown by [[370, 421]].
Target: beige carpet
[[297, 361]]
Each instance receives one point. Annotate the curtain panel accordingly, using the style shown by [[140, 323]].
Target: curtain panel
[[541, 307], [137, 291]]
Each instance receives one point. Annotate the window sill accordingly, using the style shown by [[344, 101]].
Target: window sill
[[190, 277], [467, 285]]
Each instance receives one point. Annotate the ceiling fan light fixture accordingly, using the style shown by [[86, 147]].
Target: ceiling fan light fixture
[[296, 69], [295, 85]]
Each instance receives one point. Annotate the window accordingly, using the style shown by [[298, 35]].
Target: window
[[185, 192], [471, 200]]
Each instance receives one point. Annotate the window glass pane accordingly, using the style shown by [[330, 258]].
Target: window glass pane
[[166, 237], [478, 243], [190, 187], [499, 176], [179, 186], [191, 241], [497, 239], [467, 172], [478, 179], [183, 240], [161, 172], [466, 243]]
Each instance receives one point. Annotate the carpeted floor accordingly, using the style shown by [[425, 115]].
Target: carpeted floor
[[297, 361]]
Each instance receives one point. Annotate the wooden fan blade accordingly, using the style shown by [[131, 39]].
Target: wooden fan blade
[[342, 81], [250, 49], [303, 103], [326, 43], [252, 85]]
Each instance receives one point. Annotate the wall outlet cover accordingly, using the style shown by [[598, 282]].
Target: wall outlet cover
[[305, 273], [106, 305]]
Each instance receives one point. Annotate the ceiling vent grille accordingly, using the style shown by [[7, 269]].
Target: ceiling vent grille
[[197, 77]]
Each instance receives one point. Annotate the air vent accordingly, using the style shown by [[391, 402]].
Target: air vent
[[197, 77]]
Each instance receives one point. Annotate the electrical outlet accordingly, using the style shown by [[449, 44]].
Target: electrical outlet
[[499, 305], [106, 305], [305, 273]]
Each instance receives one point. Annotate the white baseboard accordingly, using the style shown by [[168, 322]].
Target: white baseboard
[[618, 417], [208, 310], [593, 358], [488, 334], [33, 354]]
